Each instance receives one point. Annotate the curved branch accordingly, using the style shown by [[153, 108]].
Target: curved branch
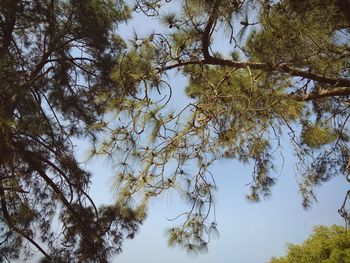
[[62, 173], [207, 35], [52, 185], [8, 220], [43, 175]]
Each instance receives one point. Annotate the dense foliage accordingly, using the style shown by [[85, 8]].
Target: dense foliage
[[283, 73], [325, 245], [55, 57]]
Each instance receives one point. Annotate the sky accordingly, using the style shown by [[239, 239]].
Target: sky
[[249, 233]]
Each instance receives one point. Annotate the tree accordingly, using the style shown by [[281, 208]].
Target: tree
[[326, 244], [65, 73], [55, 58], [287, 76]]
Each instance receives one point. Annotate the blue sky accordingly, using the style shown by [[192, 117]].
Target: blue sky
[[249, 233]]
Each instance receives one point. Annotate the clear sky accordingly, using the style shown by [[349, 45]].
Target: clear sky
[[249, 233]]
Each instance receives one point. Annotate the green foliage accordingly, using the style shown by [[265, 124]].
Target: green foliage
[[295, 32], [287, 77], [133, 71], [326, 245], [66, 73], [316, 136], [56, 58]]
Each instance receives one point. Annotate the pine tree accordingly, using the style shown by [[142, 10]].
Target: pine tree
[[55, 59], [288, 76], [65, 73]]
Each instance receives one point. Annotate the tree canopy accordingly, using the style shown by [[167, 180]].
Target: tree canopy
[[284, 73], [66, 73], [55, 57], [325, 244]]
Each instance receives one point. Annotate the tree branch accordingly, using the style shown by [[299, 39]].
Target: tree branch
[[8, 220], [10, 22], [343, 84], [336, 82], [323, 93], [61, 172], [207, 35], [43, 175]]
